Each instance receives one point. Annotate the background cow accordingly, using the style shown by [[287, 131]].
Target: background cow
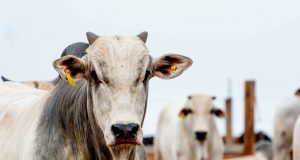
[[296, 140], [100, 118], [186, 130], [284, 122], [44, 85]]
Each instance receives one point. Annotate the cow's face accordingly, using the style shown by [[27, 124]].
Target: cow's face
[[117, 70], [198, 114]]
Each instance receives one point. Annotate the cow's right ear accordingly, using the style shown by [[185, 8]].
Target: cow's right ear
[[72, 63], [170, 66]]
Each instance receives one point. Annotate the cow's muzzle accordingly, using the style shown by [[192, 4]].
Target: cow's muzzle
[[125, 133], [201, 136]]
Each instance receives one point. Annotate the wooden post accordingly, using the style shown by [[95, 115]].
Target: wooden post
[[249, 138], [228, 121]]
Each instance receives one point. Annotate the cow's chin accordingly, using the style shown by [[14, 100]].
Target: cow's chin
[[202, 143], [122, 151], [122, 148]]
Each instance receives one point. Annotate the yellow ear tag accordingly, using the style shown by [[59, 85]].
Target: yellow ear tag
[[182, 116], [173, 68], [69, 78]]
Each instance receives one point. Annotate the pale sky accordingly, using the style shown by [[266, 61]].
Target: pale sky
[[232, 39]]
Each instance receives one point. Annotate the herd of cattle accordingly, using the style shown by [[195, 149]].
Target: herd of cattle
[[102, 116]]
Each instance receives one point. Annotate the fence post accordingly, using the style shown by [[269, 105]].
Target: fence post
[[228, 121], [249, 138]]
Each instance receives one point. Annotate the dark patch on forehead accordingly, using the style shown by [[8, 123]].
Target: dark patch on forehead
[[103, 65]]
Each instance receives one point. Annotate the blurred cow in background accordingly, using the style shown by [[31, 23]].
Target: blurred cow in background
[[296, 140], [76, 49], [284, 123], [44, 85], [187, 131]]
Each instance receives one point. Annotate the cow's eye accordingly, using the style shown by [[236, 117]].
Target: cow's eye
[[218, 112], [99, 80], [147, 76], [143, 79], [95, 77]]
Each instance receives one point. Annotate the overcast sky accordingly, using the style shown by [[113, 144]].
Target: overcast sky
[[232, 39]]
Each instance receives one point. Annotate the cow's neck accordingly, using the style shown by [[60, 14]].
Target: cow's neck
[[67, 129]]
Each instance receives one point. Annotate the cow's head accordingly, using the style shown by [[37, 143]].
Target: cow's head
[[197, 115], [117, 70]]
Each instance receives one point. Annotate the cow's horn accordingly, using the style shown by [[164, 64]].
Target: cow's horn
[[143, 36], [91, 37]]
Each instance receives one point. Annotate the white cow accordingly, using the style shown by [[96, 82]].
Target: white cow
[[296, 140], [100, 118], [187, 131], [284, 122]]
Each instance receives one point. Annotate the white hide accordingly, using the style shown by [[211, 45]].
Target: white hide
[[175, 140], [284, 122], [19, 115], [296, 140]]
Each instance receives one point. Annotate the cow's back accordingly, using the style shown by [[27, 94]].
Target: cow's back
[[44, 85], [20, 107]]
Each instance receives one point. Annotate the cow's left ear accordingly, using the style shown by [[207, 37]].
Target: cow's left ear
[[72, 63], [170, 66], [218, 112]]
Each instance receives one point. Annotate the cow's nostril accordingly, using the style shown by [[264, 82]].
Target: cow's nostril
[[118, 130], [201, 136], [133, 129], [125, 130]]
